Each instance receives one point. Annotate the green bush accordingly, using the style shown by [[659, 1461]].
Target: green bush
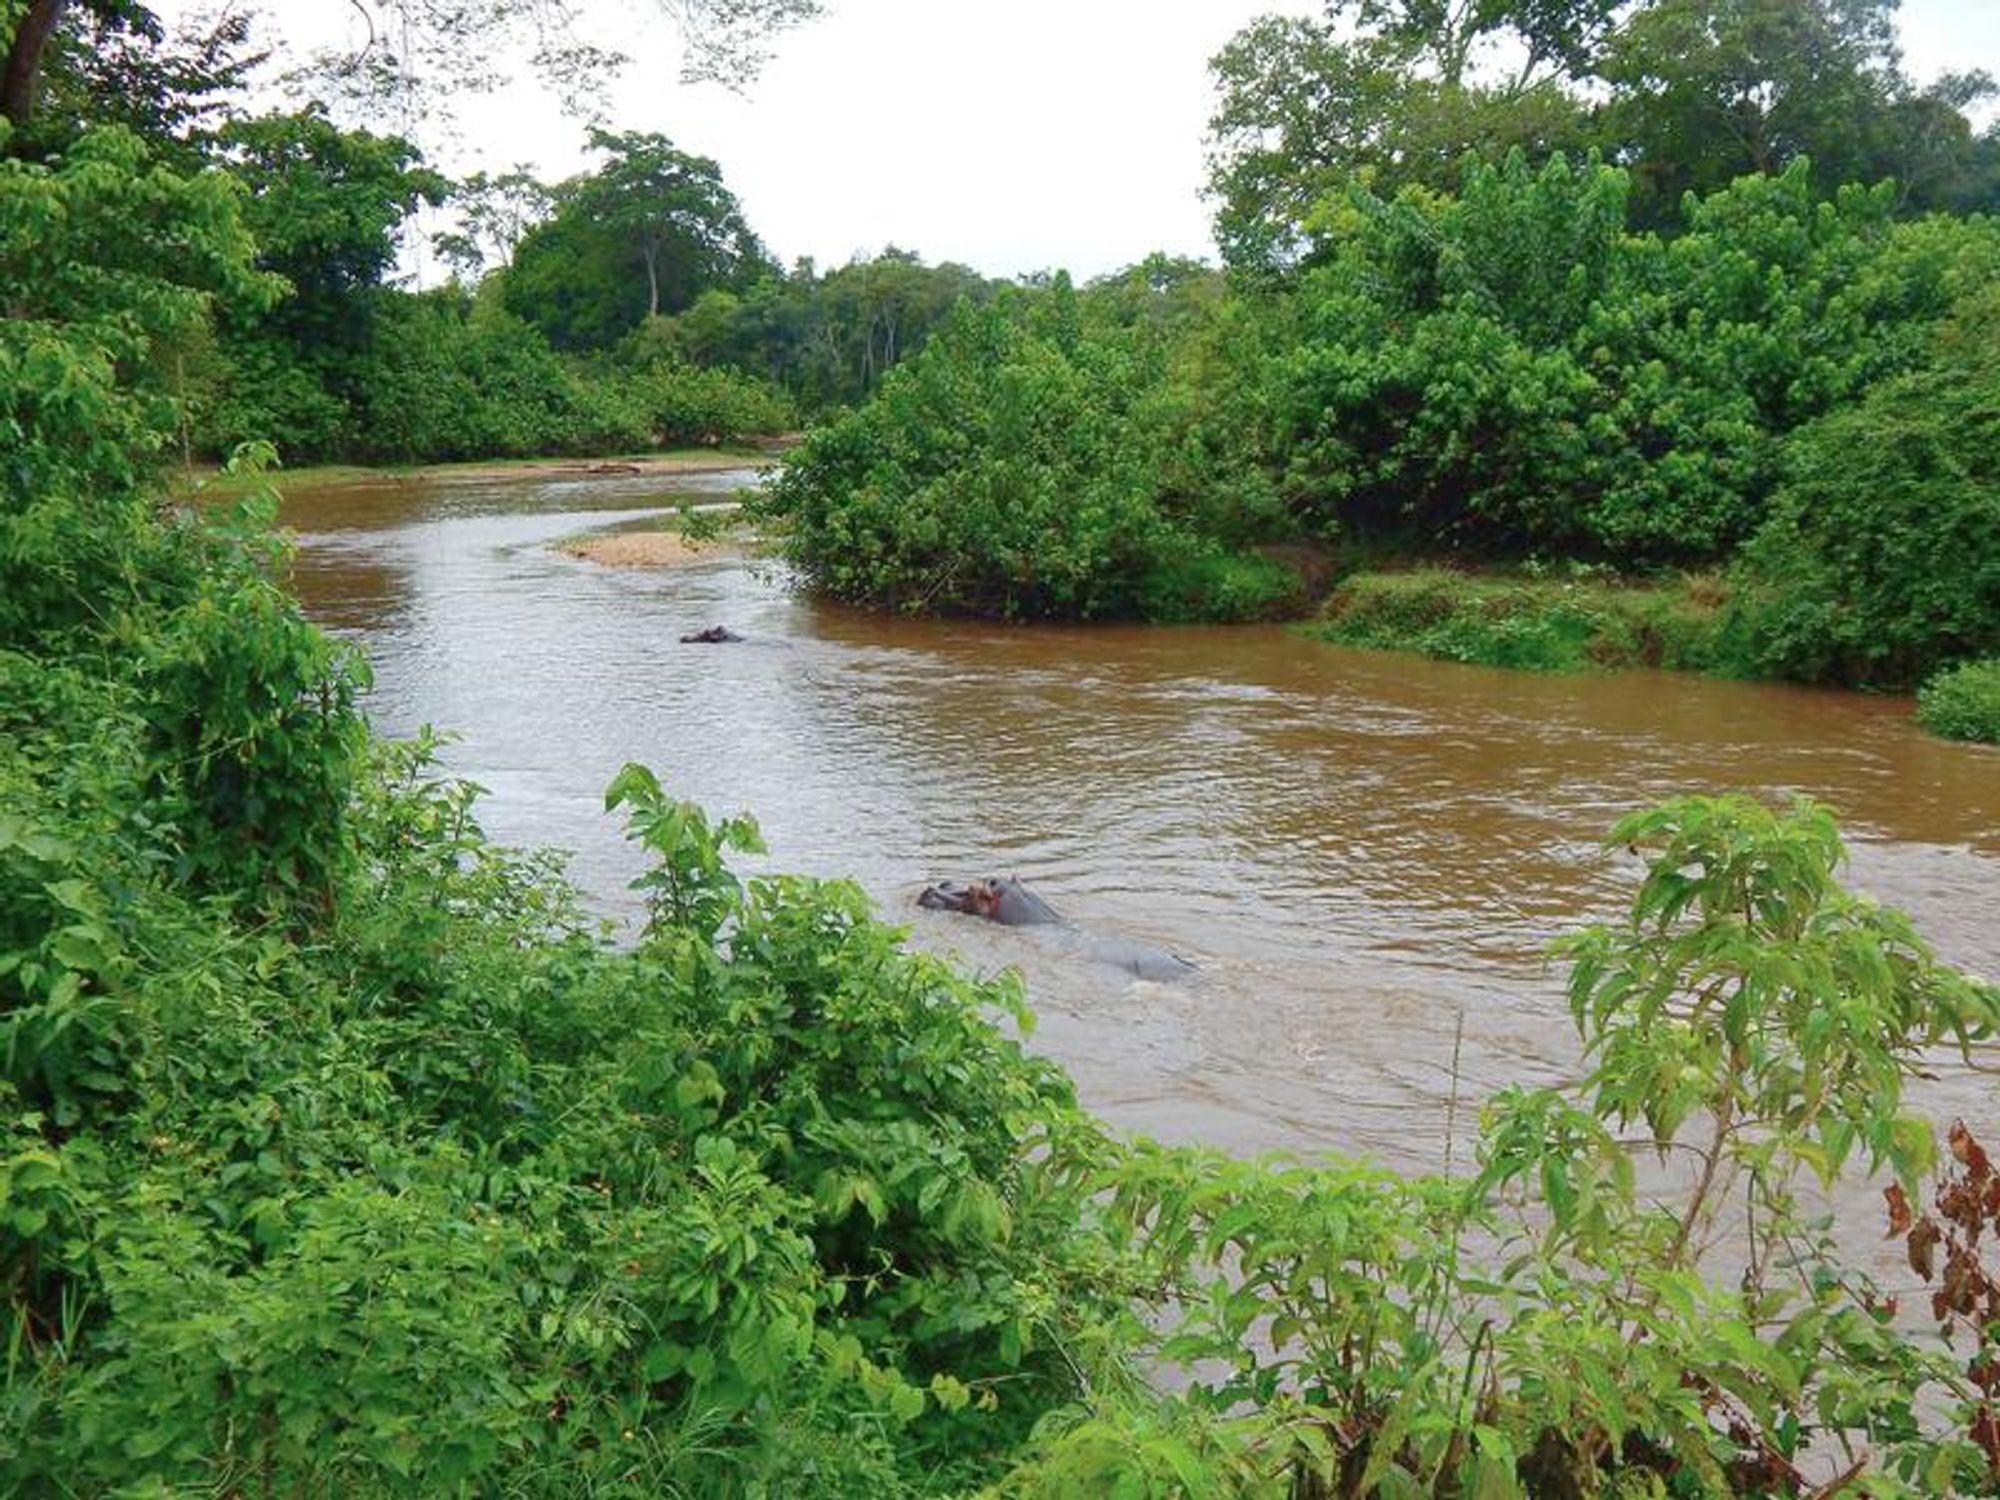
[[1882, 561], [1006, 470], [1511, 371], [686, 404], [1220, 587], [1963, 702]]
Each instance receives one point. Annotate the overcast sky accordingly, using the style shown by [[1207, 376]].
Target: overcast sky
[[1013, 135]]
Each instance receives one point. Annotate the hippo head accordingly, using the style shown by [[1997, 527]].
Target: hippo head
[[1007, 902], [981, 898]]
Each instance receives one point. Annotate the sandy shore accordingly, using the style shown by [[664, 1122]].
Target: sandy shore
[[635, 549]]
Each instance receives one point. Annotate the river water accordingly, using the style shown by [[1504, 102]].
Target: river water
[[1365, 852]]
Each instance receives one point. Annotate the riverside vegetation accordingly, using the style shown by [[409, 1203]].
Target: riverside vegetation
[[1761, 446], [1504, 328], [1703, 287], [342, 1153]]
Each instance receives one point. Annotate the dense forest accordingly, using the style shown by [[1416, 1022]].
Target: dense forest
[[343, 1152]]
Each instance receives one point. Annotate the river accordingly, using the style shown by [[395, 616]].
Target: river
[[1366, 853]]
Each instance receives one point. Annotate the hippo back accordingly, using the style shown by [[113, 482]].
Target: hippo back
[[1020, 907]]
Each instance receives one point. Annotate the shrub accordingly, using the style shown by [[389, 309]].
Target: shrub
[[1510, 371], [1213, 586], [684, 404], [1882, 560], [1963, 702], [1002, 471]]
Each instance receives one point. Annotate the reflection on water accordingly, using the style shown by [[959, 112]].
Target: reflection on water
[[1363, 851]]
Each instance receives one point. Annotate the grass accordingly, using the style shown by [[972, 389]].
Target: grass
[[1963, 702], [1586, 621]]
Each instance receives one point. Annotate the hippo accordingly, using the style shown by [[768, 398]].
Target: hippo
[[715, 635], [1012, 904]]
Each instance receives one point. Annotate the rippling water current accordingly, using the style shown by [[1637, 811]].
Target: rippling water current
[[1365, 853]]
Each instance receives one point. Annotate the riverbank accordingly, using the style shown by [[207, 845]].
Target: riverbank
[[1589, 620], [1582, 621], [212, 482]]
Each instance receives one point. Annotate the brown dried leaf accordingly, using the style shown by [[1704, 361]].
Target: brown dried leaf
[[1960, 1204], [1899, 1210], [1969, 1153], [1924, 1239], [1986, 1433]]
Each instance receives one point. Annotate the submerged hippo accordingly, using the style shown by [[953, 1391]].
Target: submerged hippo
[[1012, 904], [715, 635]]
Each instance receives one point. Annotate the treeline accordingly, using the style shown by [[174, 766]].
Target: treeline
[[1532, 359], [1687, 95], [631, 307]]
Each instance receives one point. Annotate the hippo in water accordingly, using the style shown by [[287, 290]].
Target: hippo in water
[[1012, 904], [715, 635]]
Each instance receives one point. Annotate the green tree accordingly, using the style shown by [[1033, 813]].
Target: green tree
[[1881, 562], [1392, 91], [325, 206], [1702, 91], [1512, 370], [494, 213], [112, 62], [645, 234]]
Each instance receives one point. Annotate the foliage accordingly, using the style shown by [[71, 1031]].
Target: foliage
[[1018, 467], [1701, 91], [645, 234], [1385, 92], [1544, 1325], [114, 62], [1576, 623], [1512, 371], [1963, 702], [86, 360], [494, 212], [341, 1152], [1881, 561], [1687, 95], [324, 205], [827, 339]]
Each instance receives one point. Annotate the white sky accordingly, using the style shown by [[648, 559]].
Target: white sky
[[1013, 135]]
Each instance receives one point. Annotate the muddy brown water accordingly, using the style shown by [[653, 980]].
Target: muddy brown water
[[1366, 853]]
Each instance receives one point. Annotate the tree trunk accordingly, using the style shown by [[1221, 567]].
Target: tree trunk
[[652, 254], [18, 85]]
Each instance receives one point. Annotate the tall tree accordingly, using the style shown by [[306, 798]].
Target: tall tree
[[494, 214], [1394, 91], [325, 205], [645, 234], [1703, 91], [30, 27]]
